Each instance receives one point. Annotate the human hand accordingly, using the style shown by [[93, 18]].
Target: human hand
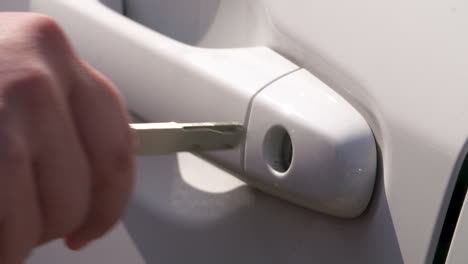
[[66, 150]]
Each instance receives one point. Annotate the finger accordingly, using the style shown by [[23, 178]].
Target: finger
[[64, 185], [59, 163], [20, 226], [102, 121], [62, 172]]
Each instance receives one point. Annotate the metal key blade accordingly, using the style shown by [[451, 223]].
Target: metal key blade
[[167, 138]]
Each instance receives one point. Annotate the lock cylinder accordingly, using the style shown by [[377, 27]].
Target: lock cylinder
[[307, 144]]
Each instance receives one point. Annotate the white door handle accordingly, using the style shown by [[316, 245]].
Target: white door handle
[[304, 142]]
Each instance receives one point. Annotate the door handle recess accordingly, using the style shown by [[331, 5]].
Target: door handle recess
[[304, 142]]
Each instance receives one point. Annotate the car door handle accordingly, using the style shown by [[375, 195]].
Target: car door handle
[[304, 142]]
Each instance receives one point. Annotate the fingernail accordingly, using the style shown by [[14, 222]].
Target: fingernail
[[75, 245]]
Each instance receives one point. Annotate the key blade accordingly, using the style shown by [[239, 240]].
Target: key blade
[[225, 128], [167, 138]]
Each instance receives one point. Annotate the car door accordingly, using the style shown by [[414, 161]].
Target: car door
[[400, 64]]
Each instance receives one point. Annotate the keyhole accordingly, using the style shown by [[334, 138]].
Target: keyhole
[[278, 149]]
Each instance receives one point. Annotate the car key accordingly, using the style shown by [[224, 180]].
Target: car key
[[168, 138]]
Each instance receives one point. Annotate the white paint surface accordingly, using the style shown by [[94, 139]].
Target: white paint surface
[[403, 65]]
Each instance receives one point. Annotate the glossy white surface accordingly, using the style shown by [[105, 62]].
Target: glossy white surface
[[164, 80], [334, 155], [403, 65], [219, 85], [203, 23]]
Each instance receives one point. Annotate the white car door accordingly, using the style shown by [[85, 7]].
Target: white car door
[[402, 64]]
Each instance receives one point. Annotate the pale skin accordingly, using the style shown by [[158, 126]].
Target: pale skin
[[66, 150]]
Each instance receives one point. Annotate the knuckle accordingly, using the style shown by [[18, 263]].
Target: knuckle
[[36, 76], [32, 83], [33, 33], [106, 88], [41, 35], [103, 85], [43, 27], [43, 21]]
